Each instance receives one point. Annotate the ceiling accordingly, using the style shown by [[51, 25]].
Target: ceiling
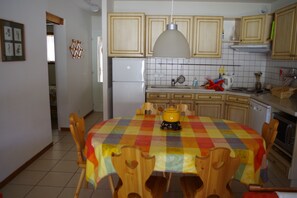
[[235, 1], [85, 4]]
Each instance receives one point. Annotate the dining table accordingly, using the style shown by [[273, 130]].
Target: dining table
[[175, 150]]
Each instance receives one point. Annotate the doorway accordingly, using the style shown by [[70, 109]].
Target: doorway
[[51, 21]]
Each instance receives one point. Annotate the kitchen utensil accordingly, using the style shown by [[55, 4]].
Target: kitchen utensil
[[171, 118], [228, 81], [258, 84]]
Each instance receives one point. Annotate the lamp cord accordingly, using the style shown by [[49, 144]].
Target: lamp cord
[[171, 11]]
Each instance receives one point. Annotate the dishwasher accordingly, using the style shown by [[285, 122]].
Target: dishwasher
[[259, 113]]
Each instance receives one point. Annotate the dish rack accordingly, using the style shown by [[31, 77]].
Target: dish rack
[[283, 92]]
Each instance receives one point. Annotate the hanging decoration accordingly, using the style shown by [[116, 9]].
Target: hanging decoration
[[76, 49]]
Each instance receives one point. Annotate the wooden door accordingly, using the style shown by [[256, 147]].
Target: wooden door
[[284, 42], [155, 26], [185, 26], [126, 34], [209, 109], [237, 112], [207, 38], [252, 28]]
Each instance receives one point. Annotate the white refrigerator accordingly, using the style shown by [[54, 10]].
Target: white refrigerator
[[128, 85]]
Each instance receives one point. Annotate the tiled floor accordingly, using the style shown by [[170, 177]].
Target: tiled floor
[[55, 174]]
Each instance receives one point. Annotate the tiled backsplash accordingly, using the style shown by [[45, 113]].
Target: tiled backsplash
[[242, 65]]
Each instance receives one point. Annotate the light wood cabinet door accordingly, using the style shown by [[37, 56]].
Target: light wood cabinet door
[[185, 26], [126, 33], [155, 25], [255, 29], [284, 42], [237, 112], [209, 109], [207, 36]]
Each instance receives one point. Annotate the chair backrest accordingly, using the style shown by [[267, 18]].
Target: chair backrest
[[216, 170], [146, 108], [134, 169], [183, 109], [269, 132], [77, 129]]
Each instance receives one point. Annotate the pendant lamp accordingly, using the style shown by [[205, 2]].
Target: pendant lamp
[[171, 43]]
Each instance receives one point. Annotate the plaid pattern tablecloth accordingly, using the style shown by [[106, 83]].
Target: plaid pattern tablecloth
[[175, 151]]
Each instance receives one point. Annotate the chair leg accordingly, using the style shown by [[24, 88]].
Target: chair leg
[[111, 184], [168, 177], [81, 179]]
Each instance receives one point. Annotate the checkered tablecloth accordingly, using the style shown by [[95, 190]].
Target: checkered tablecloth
[[175, 151]]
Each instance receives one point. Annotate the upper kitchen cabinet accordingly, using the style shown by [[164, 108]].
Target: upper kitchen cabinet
[[256, 29], [185, 26], [126, 33], [207, 36], [284, 41], [155, 25]]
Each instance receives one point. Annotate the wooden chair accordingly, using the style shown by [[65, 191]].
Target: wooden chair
[[77, 129], [146, 108], [269, 132], [257, 191], [134, 170], [215, 171], [183, 108]]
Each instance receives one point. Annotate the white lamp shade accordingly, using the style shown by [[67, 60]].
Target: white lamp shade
[[172, 44]]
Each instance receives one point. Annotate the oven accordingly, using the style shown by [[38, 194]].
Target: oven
[[285, 138]]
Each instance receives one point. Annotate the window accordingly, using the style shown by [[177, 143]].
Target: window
[[50, 48]]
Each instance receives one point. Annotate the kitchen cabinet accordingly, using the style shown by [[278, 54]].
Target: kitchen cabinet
[[160, 100], [237, 108], [185, 26], [210, 105], [207, 36], [155, 25], [164, 100], [183, 98], [126, 33], [284, 41], [256, 29]]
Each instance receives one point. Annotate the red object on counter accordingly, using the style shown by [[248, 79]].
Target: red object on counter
[[216, 86]]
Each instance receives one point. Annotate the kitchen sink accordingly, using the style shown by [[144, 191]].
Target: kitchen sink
[[170, 87]]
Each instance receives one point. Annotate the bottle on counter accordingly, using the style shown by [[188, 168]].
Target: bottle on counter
[[195, 83]]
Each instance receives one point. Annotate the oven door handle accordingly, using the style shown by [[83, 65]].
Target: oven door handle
[[289, 134]]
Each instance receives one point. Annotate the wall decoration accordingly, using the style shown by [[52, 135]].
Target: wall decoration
[[76, 49], [12, 41]]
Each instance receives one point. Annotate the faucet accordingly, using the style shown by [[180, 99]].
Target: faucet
[[173, 82], [181, 79]]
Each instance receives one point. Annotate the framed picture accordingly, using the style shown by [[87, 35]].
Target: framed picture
[[12, 41]]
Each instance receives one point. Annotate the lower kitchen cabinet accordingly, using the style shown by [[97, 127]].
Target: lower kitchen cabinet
[[210, 105], [237, 108], [209, 109], [190, 103]]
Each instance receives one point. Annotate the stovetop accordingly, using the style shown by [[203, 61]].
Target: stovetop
[[248, 90]]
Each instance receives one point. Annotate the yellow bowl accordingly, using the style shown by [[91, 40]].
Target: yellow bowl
[[171, 115]]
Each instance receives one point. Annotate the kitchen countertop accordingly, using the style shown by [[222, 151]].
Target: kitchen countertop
[[288, 105]]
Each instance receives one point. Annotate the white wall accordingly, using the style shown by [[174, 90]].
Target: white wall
[[192, 8], [25, 127], [74, 76]]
